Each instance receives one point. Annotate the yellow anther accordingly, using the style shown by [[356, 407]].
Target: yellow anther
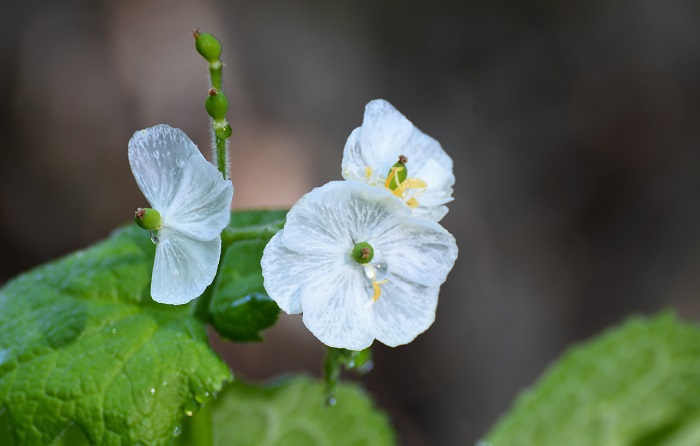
[[377, 289], [412, 203], [414, 183], [368, 172]]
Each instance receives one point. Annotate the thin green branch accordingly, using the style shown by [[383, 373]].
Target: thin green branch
[[216, 103]]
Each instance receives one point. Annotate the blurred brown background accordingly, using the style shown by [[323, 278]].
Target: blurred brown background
[[573, 127]]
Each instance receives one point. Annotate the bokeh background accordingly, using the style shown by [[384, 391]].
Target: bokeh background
[[574, 127]]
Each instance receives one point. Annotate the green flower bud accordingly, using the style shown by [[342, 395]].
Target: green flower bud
[[224, 132], [147, 218], [362, 252], [397, 173], [208, 46], [216, 104]]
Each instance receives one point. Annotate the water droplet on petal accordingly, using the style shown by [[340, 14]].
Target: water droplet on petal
[[154, 237], [377, 269]]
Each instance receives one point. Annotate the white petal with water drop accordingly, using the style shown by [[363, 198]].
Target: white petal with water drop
[[183, 267]]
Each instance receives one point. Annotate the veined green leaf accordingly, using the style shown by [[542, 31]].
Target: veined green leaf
[[636, 385], [293, 412], [238, 306], [82, 343]]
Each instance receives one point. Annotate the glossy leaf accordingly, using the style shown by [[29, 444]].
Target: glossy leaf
[[236, 304], [239, 307], [83, 344], [636, 385], [293, 412]]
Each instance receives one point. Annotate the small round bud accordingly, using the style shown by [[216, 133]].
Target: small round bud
[[208, 46], [397, 173], [224, 132], [362, 252], [147, 218], [216, 104]]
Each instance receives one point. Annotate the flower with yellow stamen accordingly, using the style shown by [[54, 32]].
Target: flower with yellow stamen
[[422, 178], [358, 265]]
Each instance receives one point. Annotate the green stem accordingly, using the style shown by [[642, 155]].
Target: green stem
[[198, 430], [220, 148], [331, 371], [231, 235], [215, 69], [220, 151], [216, 104]]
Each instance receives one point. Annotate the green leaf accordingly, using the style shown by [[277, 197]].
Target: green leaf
[[83, 344], [293, 412], [238, 306], [636, 385]]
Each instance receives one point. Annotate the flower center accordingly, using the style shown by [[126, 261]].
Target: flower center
[[376, 271], [400, 184], [362, 252], [147, 218]]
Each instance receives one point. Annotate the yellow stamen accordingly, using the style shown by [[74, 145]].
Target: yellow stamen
[[414, 183], [368, 172], [412, 203], [377, 289]]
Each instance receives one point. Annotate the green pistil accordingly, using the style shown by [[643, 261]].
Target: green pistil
[[397, 173], [362, 252], [147, 218]]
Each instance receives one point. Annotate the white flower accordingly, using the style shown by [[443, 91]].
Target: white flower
[[322, 264], [194, 202], [423, 181]]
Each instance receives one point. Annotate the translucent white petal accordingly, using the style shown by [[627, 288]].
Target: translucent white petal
[[158, 156], [403, 311], [429, 162], [383, 128], [354, 162], [333, 217], [432, 213], [287, 273], [385, 134], [418, 250], [201, 206], [183, 268], [335, 311]]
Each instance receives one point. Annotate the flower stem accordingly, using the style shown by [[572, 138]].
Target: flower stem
[[221, 154], [197, 430], [215, 69], [216, 103]]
